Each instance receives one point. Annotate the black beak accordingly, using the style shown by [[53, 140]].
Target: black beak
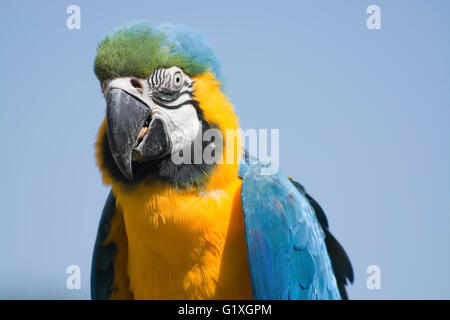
[[125, 116]]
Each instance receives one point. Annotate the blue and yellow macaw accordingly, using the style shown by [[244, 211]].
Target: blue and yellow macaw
[[196, 230]]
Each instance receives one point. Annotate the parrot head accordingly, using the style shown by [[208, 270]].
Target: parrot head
[[163, 90]]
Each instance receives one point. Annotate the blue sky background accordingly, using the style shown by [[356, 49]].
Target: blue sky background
[[364, 119]]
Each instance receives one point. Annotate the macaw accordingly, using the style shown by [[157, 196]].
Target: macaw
[[195, 230]]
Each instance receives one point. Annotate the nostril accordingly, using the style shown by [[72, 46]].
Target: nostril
[[135, 83]]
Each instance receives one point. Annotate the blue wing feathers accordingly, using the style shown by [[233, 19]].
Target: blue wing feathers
[[288, 257], [340, 262], [102, 272], [264, 280], [106, 255], [302, 267]]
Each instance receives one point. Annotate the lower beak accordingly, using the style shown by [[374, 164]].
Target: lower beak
[[125, 117]]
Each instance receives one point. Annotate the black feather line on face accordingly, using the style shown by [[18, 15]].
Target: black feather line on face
[[161, 104]]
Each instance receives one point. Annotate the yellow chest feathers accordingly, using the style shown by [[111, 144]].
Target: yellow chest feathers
[[186, 245]]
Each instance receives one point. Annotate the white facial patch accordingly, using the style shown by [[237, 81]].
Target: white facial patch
[[182, 125]]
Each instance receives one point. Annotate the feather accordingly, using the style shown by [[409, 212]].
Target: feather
[[342, 266], [102, 273]]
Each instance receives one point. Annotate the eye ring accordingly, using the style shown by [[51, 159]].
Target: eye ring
[[177, 80]]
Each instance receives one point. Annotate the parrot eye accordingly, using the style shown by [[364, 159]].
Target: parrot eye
[[177, 80]]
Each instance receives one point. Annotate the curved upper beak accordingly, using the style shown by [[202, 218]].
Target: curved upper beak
[[125, 117]]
